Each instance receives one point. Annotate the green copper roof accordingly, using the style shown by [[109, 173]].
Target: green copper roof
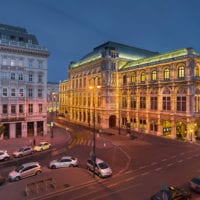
[[162, 57], [126, 52]]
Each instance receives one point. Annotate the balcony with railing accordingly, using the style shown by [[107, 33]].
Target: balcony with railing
[[22, 45]]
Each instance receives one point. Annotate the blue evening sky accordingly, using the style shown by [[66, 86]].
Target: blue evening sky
[[72, 28]]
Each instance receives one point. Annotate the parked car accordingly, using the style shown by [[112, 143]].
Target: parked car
[[4, 155], [42, 146], [2, 180], [25, 170], [195, 184], [172, 193], [66, 161], [27, 150], [101, 168]]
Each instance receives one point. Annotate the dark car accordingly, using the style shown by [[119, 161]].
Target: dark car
[[172, 193], [195, 184]]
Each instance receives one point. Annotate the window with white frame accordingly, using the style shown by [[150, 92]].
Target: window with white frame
[[4, 61], [40, 78], [40, 64], [30, 108], [21, 77], [21, 92], [30, 92], [5, 109], [12, 92], [13, 109], [12, 76], [5, 92], [30, 77], [5, 75], [40, 93], [30, 63], [40, 108]]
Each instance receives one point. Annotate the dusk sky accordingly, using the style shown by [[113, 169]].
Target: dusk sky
[[72, 28]]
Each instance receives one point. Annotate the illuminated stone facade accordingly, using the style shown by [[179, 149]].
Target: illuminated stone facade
[[149, 92], [23, 67]]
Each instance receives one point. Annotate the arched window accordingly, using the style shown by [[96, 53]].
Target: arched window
[[197, 70], [142, 77], [133, 77], [181, 71], [154, 75], [166, 74]]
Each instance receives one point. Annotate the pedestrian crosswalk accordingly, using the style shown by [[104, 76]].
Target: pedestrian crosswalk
[[100, 143]]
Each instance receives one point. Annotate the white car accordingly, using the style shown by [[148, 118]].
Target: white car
[[101, 168], [42, 146], [4, 155], [66, 161]]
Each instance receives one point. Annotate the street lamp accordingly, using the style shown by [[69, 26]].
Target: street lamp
[[94, 123]]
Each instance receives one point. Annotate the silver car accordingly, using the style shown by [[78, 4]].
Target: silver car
[[23, 151], [25, 170], [66, 161], [101, 168], [4, 155]]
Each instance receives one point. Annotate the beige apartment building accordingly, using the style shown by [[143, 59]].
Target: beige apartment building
[[120, 86]]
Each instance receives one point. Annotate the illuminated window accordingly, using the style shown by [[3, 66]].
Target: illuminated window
[[181, 72], [40, 108], [197, 70], [133, 77], [166, 74], [142, 77], [154, 75], [12, 62]]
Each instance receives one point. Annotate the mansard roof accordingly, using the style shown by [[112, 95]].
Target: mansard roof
[[161, 58], [18, 34], [129, 53]]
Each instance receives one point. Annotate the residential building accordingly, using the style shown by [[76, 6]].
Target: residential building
[[149, 92], [23, 83]]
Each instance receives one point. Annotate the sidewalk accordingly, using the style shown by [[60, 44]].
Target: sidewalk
[[15, 143]]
